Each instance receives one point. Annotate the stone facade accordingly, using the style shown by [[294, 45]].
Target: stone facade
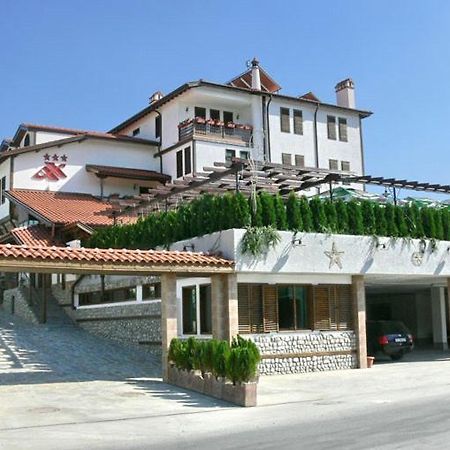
[[136, 324], [306, 352], [15, 302]]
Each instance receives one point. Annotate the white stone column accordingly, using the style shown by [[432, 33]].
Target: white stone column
[[359, 304], [439, 319], [168, 316], [139, 293], [224, 307]]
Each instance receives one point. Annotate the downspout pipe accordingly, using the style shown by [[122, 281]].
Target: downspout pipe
[[316, 137], [269, 150], [160, 140]]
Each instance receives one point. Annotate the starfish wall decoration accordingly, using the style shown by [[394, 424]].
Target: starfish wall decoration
[[335, 256]]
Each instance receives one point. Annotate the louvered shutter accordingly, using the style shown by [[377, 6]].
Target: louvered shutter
[[321, 308], [243, 308], [334, 307], [298, 122], [342, 129], [284, 120], [331, 125], [344, 294], [299, 160], [256, 309], [270, 309], [286, 159]]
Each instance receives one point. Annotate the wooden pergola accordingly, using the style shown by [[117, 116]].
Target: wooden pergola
[[168, 265]]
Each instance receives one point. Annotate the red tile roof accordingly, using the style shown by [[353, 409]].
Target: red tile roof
[[123, 172], [64, 208], [36, 235], [150, 257]]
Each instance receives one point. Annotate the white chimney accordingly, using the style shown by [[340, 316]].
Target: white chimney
[[256, 78], [345, 93], [158, 95]]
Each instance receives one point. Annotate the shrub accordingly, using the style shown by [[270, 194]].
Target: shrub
[[258, 240], [243, 360], [220, 359]]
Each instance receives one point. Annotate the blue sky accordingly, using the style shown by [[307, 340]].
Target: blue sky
[[91, 64]]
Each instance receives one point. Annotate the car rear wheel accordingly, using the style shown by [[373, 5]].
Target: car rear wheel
[[397, 357]]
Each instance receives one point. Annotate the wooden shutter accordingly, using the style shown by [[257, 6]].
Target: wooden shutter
[[187, 160], [331, 125], [342, 129], [256, 309], [298, 122], [334, 307], [284, 120], [179, 163], [270, 309], [321, 308], [300, 160], [243, 308], [344, 297]]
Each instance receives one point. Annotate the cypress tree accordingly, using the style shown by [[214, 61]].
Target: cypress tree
[[438, 224], [445, 212], [228, 214], [294, 216], [256, 214], [401, 221], [417, 220], [342, 217], [429, 226], [318, 215], [306, 214], [280, 213], [331, 215], [368, 213], [380, 220], [355, 218], [391, 222], [268, 210], [241, 211]]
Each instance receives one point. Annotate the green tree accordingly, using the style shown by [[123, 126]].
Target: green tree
[[332, 216], [294, 215], [280, 213], [391, 221], [318, 215], [268, 209], [429, 227], [241, 212], [400, 218], [342, 217], [368, 213], [256, 210], [305, 211], [355, 218]]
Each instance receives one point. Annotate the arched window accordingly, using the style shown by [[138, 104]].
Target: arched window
[[26, 141]]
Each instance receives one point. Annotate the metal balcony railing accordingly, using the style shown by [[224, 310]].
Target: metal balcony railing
[[216, 130]]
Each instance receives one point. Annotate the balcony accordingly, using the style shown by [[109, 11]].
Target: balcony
[[216, 130]]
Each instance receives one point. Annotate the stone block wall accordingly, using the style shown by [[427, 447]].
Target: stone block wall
[[15, 300], [306, 352]]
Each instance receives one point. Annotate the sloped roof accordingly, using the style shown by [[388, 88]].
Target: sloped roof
[[244, 80], [112, 256], [64, 208], [123, 172], [36, 235]]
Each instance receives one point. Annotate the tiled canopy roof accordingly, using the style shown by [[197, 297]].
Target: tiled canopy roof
[[64, 208], [112, 256], [36, 235], [123, 172]]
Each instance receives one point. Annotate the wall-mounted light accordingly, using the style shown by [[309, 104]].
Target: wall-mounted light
[[296, 240], [422, 246], [382, 246], [188, 248]]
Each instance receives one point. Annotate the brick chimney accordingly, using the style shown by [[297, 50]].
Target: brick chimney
[[256, 77], [345, 93]]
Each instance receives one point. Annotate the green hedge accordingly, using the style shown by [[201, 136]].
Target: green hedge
[[238, 362], [214, 213]]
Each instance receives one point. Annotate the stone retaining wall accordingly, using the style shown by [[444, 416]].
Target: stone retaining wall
[[306, 352], [15, 301]]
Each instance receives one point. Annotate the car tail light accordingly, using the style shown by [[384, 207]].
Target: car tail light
[[383, 340]]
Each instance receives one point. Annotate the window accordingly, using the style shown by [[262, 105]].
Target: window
[[229, 155], [214, 114], [187, 160], [200, 112], [244, 154], [298, 122], [179, 163], [227, 117], [110, 296], [136, 131], [26, 141], [285, 120], [293, 307], [342, 129], [331, 125], [3, 190], [286, 159], [345, 165], [205, 309], [189, 299], [151, 291], [333, 164], [299, 160], [157, 127]]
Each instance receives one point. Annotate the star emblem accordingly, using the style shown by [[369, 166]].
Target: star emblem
[[46, 157], [335, 256], [64, 158], [55, 157]]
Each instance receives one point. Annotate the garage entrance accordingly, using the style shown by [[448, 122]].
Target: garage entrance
[[421, 303]]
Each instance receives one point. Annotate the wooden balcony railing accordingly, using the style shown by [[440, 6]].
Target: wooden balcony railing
[[216, 130]]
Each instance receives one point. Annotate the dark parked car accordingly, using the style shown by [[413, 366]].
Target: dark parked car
[[390, 337]]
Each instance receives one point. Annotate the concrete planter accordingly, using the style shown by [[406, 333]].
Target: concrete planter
[[241, 394]]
